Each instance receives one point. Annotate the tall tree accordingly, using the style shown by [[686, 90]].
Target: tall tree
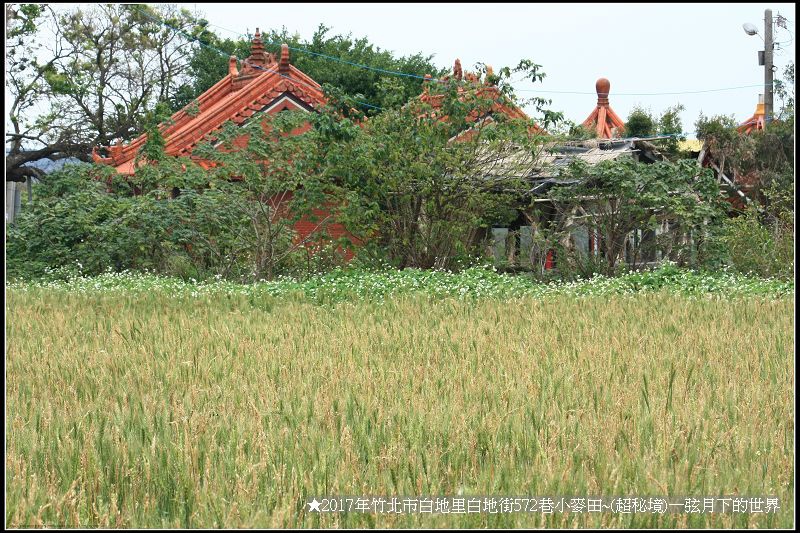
[[640, 123], [86, 77], [418, 183]]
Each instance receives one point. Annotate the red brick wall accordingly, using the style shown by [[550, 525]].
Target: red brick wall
[[322, 229]]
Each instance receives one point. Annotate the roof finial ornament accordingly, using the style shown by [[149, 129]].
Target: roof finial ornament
[[426, 82], [258, 55], [603, 120], [283, 66], [603, 87], [232, 68], [115, 150], [457, 72], [489, 74]]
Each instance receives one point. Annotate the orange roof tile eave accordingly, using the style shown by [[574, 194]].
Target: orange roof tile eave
[[183, 134]]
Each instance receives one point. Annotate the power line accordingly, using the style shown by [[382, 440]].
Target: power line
[[338, 59], [366, 104], [645, 94], [397, 73]]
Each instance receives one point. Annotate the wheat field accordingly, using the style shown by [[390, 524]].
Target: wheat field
[[155, 410]]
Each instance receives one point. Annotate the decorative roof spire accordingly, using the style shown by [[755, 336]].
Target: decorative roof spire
[[258, 45], [258, 55], [603, 87], [457, 72], [283, 66], [756, 122], [603, 120], [257, 62]]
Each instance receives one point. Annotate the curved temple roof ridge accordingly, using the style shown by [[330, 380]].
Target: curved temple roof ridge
[[249, 86]]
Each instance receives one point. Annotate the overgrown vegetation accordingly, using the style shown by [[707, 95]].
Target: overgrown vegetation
[[67, 61], [181, 354], [396, 183], [416, 186], [86, 76], [642, 123], [614, 199], [759, 240], [758, 246]]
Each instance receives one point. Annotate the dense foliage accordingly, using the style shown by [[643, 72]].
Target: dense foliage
[[415, 189], [396, 182], [415, 186], [86, 76], [313, 57], [755, 246], [78, 221], [615, 198], [641, 123], [759, 239]]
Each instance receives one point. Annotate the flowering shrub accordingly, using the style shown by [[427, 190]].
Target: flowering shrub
[[473, 283]]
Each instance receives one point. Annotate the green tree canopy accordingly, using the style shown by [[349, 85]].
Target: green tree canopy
[[86, 76], [620, 196], [208, 65], [640, 123]]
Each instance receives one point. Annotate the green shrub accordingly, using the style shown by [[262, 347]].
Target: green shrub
[[758, 248], [75, 225]]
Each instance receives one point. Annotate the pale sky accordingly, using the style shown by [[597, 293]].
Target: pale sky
[[640, 48]]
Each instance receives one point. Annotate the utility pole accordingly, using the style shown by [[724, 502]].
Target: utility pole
[[768, 51]]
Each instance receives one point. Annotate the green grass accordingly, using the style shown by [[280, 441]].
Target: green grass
[[177, 405]]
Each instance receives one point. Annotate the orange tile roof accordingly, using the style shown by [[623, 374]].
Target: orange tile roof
[[756, 122], [263, 80], [603, 120], [481, 89]]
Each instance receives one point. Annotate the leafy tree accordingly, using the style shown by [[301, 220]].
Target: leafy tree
[[617, 197], [278, 181], [105, 67], [415, 184], [25, 80], [640, 123], [784, 90], [721, 138], [669, 123], [766, 157], [760, 239]]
